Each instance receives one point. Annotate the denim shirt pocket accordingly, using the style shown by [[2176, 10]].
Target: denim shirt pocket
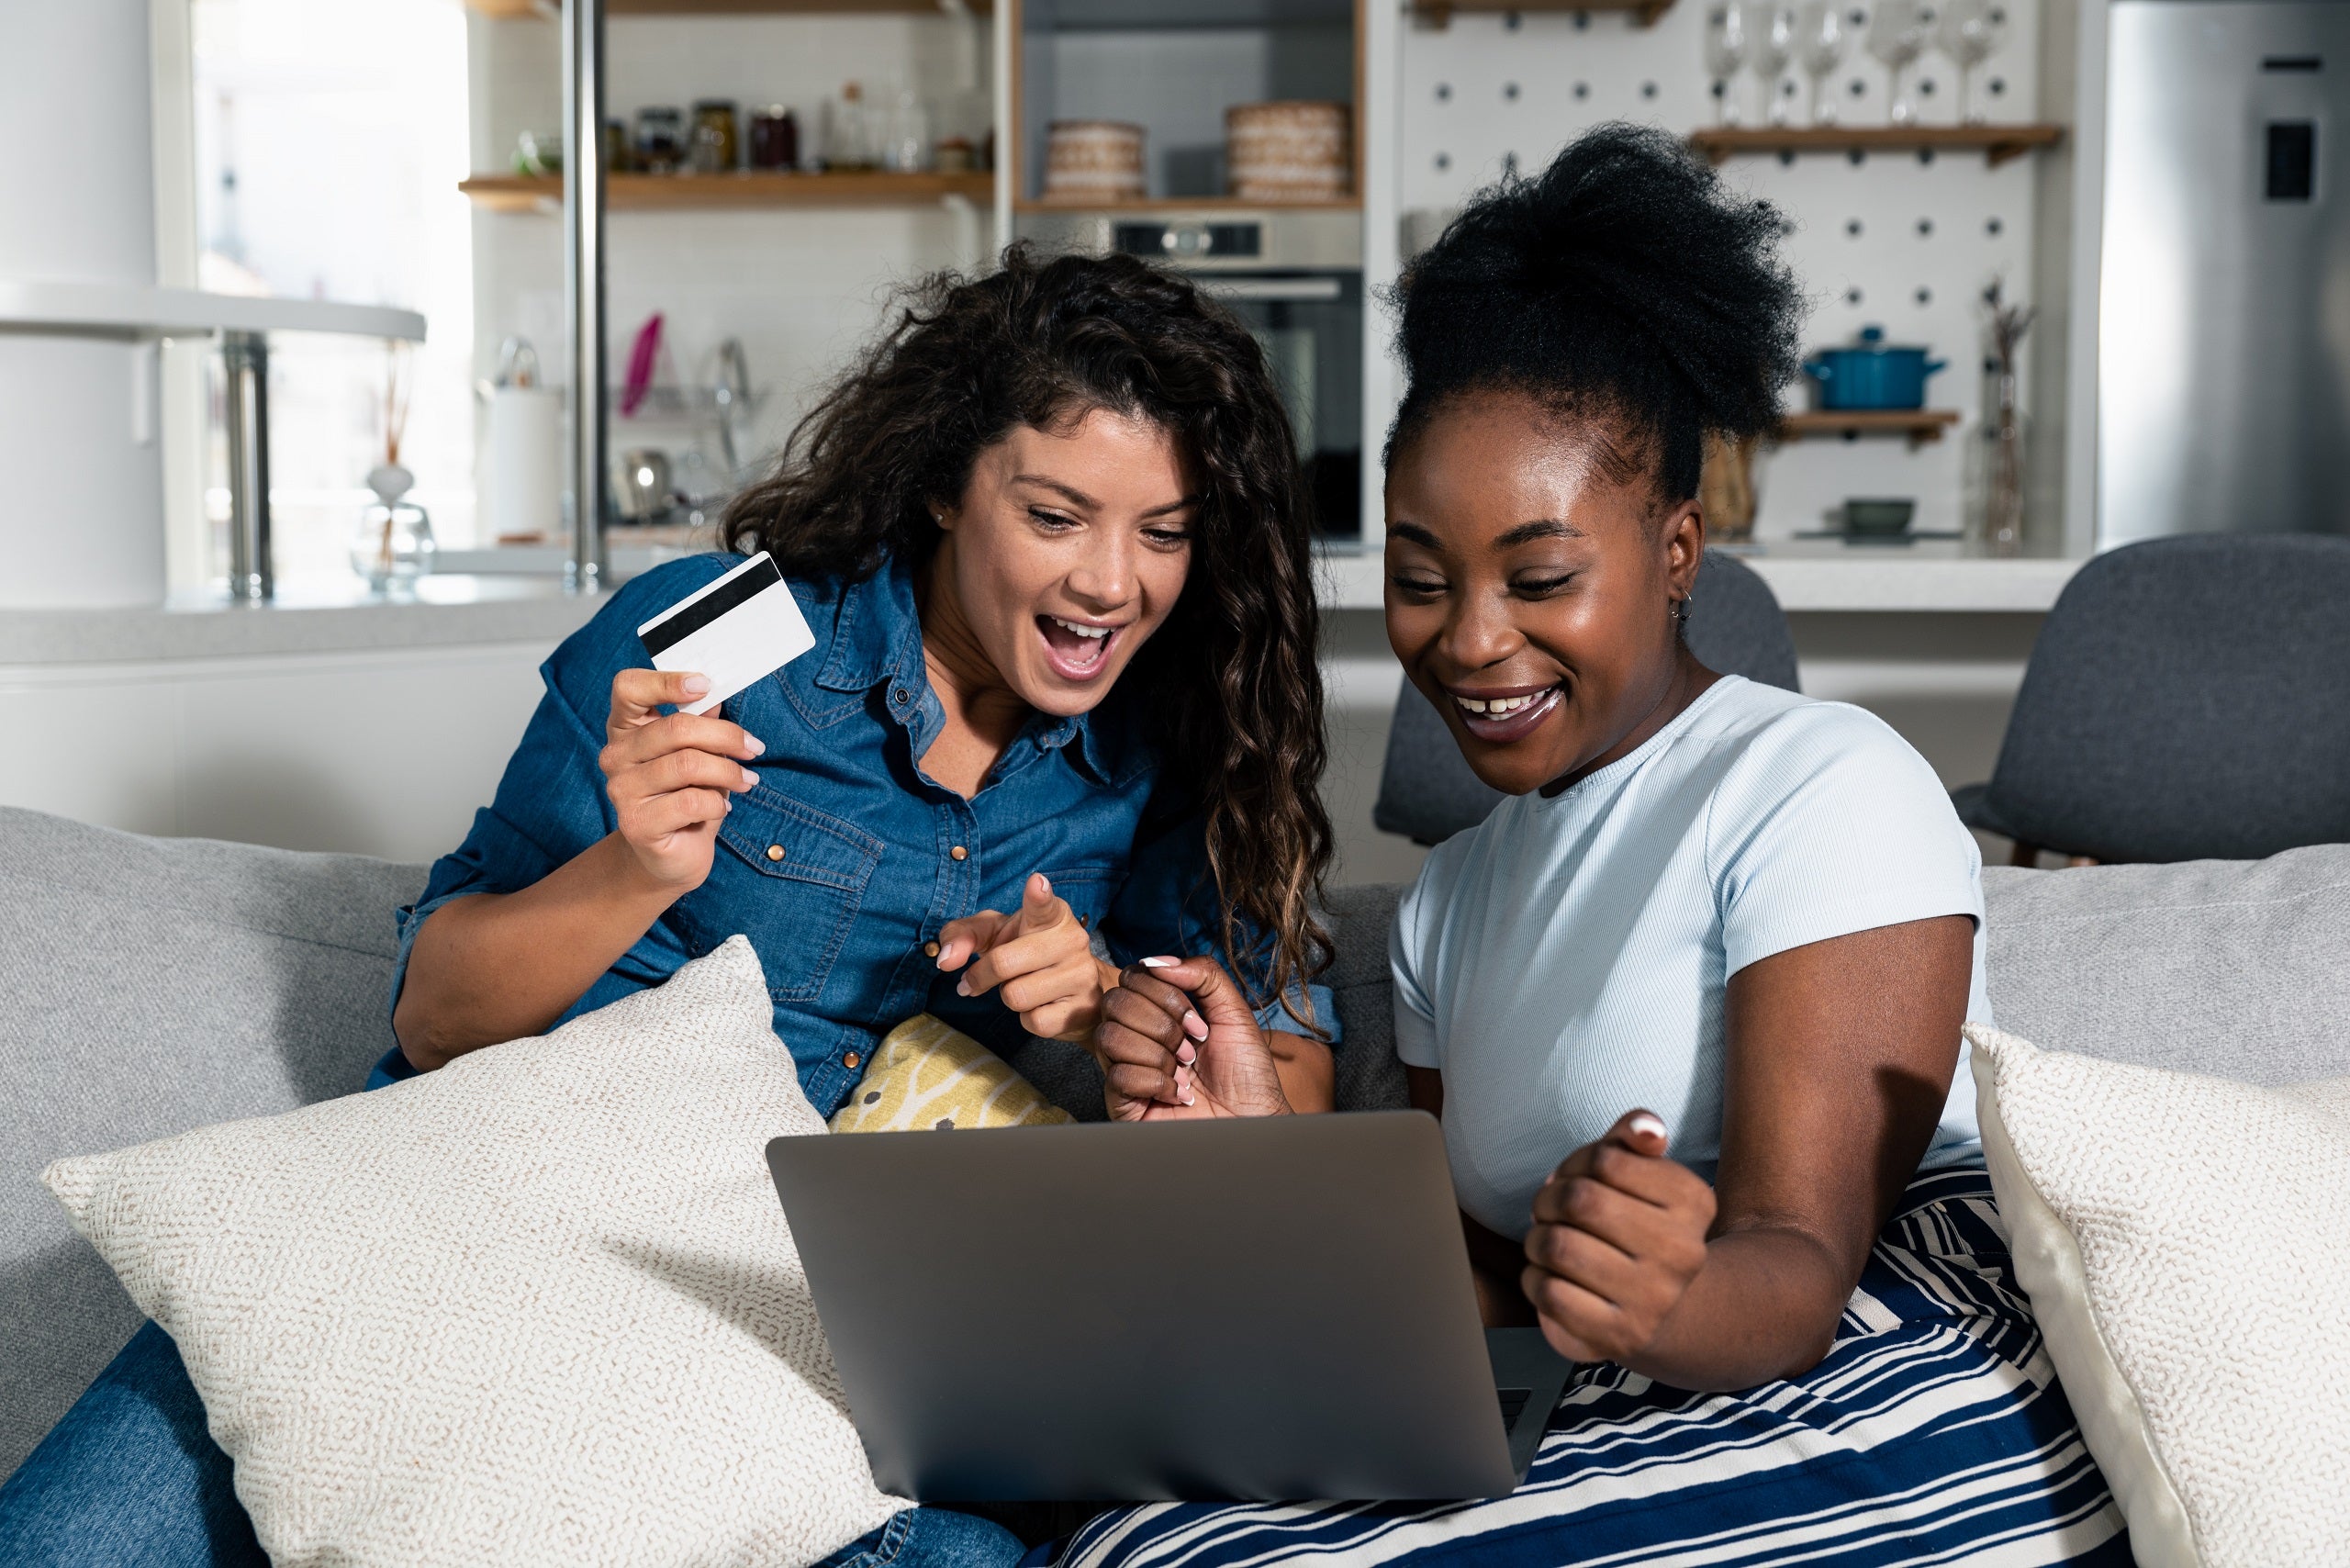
[[1089, 887], [791, 879]]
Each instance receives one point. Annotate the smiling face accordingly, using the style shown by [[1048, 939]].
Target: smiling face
[[1531, 592], [1067, 549]]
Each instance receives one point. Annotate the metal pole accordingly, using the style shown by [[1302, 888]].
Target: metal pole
[[244, 356], [583, 283]]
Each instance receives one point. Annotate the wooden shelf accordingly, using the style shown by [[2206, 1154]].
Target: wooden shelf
[[550, 9], [1920, 425], [745, 190], [1998, 143], [1187, 204], [1439, 14]]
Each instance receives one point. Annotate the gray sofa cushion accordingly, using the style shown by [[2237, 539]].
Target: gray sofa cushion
[[148, 986], [2240, 968]]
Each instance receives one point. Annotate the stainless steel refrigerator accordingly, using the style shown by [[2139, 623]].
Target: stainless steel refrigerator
[[2223, 352]]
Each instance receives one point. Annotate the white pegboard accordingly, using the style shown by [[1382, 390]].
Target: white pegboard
[[1895, 241]]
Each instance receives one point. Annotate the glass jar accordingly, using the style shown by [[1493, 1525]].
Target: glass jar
[[660, 140], [391, 544], [717, 148], [907, 150], [775, 139], [848, 136]]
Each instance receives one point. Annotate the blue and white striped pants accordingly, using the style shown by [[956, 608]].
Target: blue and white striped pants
[[1934, 1432]]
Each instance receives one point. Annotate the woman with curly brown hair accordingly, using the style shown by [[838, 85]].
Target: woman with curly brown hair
[[1050, 539]]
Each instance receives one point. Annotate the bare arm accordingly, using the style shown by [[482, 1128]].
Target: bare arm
[[501, 966], [1841, 1057]]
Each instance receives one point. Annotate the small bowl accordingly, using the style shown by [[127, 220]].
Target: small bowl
[[1878, 519]]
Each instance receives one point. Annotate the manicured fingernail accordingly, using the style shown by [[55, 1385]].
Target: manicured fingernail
[[750, 780], [963, 986], [1189, 1098], [1644, 1123], [725, 804], [752, 745], [1187, 1053], [1161, 963], [694, 685], [1195, 1025]]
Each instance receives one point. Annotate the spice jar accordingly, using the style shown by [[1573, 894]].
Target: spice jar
[[716, 149], [775, 139], [660, 140]]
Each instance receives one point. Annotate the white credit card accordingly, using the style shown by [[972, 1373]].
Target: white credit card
[[737, 630]]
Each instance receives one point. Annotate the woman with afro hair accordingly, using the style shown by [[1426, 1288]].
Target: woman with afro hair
[[1689, 1003]]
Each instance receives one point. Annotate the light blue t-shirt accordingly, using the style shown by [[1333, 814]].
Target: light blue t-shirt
[[1567, 959]]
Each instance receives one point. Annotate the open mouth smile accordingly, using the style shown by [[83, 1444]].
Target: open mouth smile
[[1076, 650], [1498, 717]]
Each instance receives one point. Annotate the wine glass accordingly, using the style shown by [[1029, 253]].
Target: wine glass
[[1822, 40], [1725, 52], [1771, 35], [1970, 30], [1898, 32]]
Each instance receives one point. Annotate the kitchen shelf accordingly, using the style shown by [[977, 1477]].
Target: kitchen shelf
[[1439, 14], [1920, 425], [744, 190], [1186, 204], [549, 10], [1998, 143]]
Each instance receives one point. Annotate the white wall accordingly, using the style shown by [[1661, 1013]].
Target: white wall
[[375, 753]]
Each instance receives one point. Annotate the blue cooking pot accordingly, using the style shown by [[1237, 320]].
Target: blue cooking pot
[[1871, 376]]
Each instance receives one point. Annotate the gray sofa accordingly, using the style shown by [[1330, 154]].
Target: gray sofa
[[151, 985]]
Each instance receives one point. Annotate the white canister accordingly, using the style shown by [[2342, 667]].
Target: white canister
[[1093, 161], [1288, 151], [525, 461]]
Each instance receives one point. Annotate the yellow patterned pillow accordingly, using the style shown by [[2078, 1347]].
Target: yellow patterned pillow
[[926, 1075]]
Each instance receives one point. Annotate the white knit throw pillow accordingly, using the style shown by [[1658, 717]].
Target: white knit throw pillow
[[2182, 1242], [538, 1306]]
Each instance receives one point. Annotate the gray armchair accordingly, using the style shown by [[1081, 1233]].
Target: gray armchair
[[2187, 699]]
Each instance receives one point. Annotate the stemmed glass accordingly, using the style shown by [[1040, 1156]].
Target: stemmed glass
[[1822, 41], [1970, 31], [1771, 34], [1898, 32], [1725, 52]]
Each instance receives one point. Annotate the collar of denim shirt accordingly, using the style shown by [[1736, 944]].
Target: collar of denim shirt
[[876, 639]]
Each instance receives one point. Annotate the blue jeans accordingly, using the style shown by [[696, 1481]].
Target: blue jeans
[[131, 1479]]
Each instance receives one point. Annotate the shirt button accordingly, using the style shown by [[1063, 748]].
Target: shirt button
[[959, 853], [930, 949], [851, 1059], [775, 851], [1083, 920]]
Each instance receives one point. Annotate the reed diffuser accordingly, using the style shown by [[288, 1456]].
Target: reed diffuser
[[2002, 527], [393, 544]]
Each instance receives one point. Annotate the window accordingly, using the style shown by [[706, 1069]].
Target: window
[[329, 136]]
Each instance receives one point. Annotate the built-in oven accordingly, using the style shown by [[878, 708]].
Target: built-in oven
[[1296, 277]]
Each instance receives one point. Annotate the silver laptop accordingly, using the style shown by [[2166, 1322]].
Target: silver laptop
[[1275, 1308]]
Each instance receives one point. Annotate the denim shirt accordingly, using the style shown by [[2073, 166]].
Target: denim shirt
[[848, 859]]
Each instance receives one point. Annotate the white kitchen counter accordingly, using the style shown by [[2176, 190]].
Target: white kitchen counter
[[446, 612], [1807, 575]]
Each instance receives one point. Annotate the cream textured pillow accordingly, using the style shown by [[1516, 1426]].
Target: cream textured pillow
[[2181, 1240], [538, 1306]]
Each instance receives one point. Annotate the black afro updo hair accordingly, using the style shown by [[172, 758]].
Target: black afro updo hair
[[1623, 283]]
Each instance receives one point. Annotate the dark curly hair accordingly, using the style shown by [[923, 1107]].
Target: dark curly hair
[[1622, 284], [1231, 679]]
